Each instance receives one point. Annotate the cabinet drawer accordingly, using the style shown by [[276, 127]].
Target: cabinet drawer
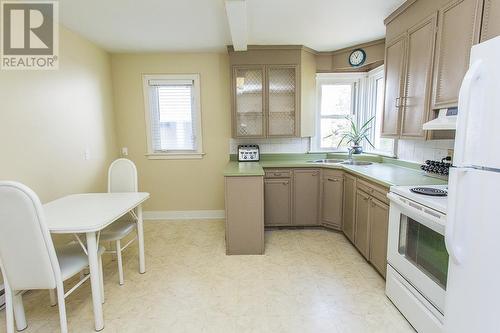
[[376, 191], [332, 175], [278, 173]]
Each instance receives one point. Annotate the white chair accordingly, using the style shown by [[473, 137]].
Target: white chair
[[28, 259], [122, 177]]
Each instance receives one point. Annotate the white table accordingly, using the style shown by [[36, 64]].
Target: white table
[[90, 213]]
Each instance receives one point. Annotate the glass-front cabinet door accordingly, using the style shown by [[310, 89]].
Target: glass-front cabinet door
[[248, 91], [282, 100], [425, 249]]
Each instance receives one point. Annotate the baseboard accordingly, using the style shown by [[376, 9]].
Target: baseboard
[[155, 215]]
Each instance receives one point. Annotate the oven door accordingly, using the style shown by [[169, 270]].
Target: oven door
[[416, 248]]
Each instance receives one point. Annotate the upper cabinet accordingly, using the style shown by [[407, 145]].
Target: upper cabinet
[[409, 61], [491, 20], [427, 55], [273, 92], [459, 28]]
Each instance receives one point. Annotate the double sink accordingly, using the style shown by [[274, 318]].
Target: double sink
[[336, 161]]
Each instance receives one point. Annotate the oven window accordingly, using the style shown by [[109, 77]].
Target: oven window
[[425, 248]]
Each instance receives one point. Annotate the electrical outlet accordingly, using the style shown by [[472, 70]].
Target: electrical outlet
[[124, 151], [87, 154]]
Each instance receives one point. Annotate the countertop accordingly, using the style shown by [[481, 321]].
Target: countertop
[[383, 173]]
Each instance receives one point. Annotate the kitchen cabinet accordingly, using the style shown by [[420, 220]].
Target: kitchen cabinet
[[408, 72], [349, 206], [379, 226], [491, 20], [273, 92], [332, 198], [249, 116], [277, 202], [459, 29], [244, 203], [306, 192], [419, 61], [394, 89], [361, 233]]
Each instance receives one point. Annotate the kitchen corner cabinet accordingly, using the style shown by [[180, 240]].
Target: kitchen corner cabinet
[[277, 202], [349, 206], [409, 63], [273, 92], [491, 20], [306, 194], [459, 29], [332, 198], [379, 224]]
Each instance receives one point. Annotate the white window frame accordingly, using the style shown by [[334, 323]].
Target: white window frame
[[335, 78], [174, 154], [364, 105]]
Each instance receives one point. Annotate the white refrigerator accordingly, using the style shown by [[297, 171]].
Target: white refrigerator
[[473, 221]]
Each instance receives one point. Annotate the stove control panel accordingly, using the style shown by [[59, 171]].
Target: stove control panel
[[441, 168], [248, 153]]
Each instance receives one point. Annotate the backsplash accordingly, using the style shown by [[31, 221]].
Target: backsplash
[[419, 151], [273, 145]]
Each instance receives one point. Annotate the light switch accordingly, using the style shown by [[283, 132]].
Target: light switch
[[124, 151]]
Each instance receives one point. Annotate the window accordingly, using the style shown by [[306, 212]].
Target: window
[[355, 96], [173, 116]]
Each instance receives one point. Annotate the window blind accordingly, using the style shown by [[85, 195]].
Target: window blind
[[172, 115]]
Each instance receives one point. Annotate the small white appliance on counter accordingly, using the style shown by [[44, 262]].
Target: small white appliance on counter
[[248, 153], [473, 224], [417, 260]]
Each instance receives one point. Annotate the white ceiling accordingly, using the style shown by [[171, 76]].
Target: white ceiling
[[201, 25]]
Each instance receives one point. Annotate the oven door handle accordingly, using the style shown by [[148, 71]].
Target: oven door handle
[[422, 212]]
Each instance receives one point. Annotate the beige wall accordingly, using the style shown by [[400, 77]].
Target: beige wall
[[49, 118], [176, 184], [338, 61]]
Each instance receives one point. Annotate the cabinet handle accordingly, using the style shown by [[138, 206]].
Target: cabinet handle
[[277, 174], [285, 183], [397, 102], [333, 179]]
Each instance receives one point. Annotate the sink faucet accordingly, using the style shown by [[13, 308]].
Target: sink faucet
[[351, 151]]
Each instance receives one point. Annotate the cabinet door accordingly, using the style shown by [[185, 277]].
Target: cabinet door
[[277, 197], [459, 27], [349, 206], [491, 20], [282, 100], [331, 207], [306, 197], [394, 71], [248, 101], [361, 234], [379, 221], [420, 55]]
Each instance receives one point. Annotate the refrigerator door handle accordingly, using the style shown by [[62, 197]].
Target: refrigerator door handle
[[463, 111], [451, 232]]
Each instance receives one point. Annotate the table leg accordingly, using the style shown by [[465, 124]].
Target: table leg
[[21, 323], [140, 237], [95, 282]]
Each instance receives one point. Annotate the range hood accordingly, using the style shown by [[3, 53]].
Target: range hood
[[446, 120]]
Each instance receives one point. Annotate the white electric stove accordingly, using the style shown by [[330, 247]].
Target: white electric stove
[[417, 260]]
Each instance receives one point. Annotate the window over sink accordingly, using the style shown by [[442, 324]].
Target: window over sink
[[343, 96]]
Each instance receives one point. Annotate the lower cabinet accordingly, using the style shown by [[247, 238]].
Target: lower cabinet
[[332, 198], [361, 231], [277, 202], [349, 206], [306, 196], [379, 224]]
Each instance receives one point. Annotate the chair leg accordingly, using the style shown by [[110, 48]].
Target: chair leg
[[119, 257], [9, 308], [101, 279], [53, 297], [19, 315], [62, 308]]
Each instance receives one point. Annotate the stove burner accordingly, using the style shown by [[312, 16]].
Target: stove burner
[[434, 192]]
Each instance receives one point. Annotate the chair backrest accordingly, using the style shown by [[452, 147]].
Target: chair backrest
[[27, 255], [122, 176]]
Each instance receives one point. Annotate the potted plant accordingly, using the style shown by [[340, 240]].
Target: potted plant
[[354, 135]]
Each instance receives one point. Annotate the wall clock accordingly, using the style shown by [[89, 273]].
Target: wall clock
[[357, 57]]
